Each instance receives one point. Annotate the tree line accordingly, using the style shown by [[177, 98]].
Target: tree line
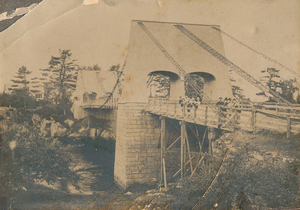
[[54, 87]]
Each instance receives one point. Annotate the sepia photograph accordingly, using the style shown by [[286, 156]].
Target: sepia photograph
[[149, 104]]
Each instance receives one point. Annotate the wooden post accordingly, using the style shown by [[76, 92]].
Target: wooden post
[[236, 117], [253, 120], [210, 137], [182, 155], [175, 105], [288, 130], [206, 110], [163, 150], [189, 151]]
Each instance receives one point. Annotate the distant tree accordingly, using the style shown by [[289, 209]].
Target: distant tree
[[237, 91], [159, 85], [274, 82], [190, 89], [115, 68], [20, 89], [95, 67], [62, 76]]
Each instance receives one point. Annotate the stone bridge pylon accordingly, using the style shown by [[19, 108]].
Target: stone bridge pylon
[[138, 132]]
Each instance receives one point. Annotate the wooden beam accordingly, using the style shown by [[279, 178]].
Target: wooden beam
[[288, 130], [199, 162], [182, 149], [189, 151], [173, 143], [163, 149], [206, 110], [253, 120], [185, 164]]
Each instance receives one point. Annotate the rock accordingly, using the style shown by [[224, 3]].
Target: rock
[[268, 158], [83, 131], [105, 134], [36, 119], [75, 134], [45, 127], [258, 156], [93, 132], [57, 129], [99, 131], [69, 122]]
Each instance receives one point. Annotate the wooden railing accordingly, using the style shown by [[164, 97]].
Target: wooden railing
[[245, 115], [99, 103]]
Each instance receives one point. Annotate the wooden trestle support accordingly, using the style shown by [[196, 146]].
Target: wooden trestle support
[[184, 150]]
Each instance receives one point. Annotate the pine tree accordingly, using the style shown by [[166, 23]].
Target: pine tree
[[62, 76], [274, 82], [20, 89]]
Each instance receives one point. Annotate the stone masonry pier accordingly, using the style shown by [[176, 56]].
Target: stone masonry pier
[[137, 145]]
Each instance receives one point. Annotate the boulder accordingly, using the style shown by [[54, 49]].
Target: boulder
[[93, 132], [69, 122], [57, 129], [83, 131], [74, 135], [36, 119], [105, 134], [257, 156], [45, 127]]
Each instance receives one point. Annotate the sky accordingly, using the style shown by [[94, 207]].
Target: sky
[[99, 33]]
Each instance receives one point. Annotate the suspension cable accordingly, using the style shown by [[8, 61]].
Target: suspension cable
[[230, 64], [259, 53], [119, 74]]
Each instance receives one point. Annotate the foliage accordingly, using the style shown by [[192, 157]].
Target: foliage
[[20, 89], [274, 82], [237, 91], [159, 85], [190, 90], [34, 158], [61, 81], [90, 68]]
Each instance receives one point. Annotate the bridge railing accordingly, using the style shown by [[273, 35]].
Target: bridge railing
[[112, 103], [245, 115]]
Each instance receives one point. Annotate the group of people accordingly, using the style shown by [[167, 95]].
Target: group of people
[[195, 102], [227, 102], [189, 102]]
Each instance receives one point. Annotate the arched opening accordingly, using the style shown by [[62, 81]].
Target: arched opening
[[164, 84], [89, 97], [201, 81]]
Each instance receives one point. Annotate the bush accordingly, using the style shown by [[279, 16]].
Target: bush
[[34, 158]]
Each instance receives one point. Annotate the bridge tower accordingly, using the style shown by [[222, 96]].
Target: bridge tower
[[138, 132]]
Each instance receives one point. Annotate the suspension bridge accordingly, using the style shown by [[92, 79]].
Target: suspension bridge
[[178, 51]]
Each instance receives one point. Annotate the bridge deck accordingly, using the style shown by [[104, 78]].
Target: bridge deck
[[246, 117]]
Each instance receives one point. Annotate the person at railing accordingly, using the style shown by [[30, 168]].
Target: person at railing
[[226, 102], [220, 102], [181, 101], [197, 102], [189, 105]]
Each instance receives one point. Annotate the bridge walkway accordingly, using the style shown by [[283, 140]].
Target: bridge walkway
[[246, 116]]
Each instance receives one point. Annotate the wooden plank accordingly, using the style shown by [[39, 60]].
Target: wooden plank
[[182, 165], [272, 122], [173, 143], [288, 128], [162, 145], [188, 148]]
